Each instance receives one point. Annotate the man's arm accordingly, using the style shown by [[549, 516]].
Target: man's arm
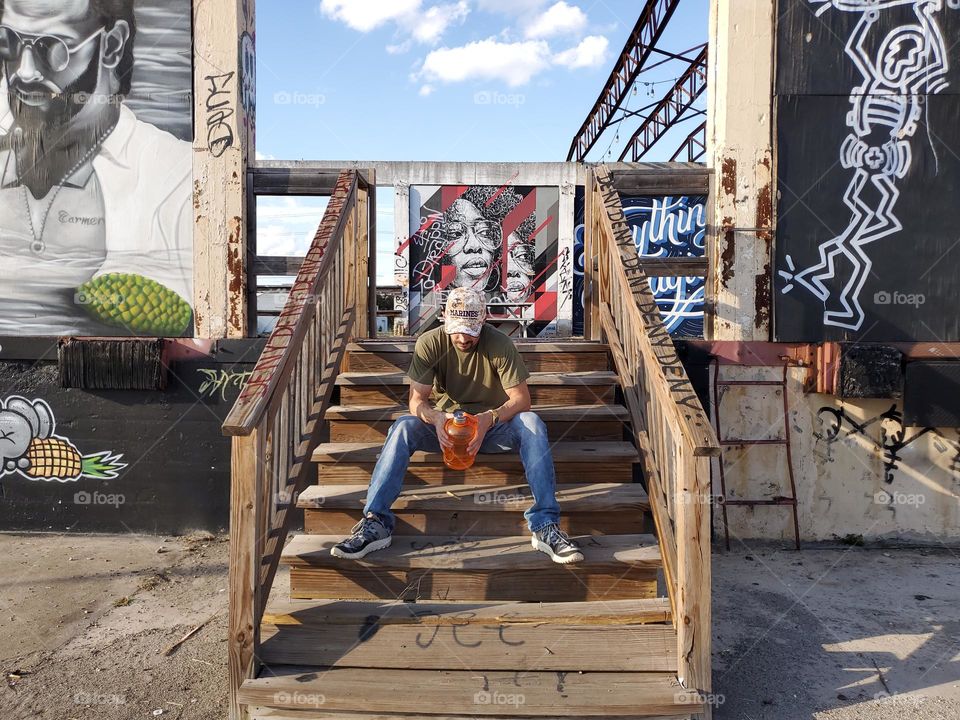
[[518, 401], [420, 407]]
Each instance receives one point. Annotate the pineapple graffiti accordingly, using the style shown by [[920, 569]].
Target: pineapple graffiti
[[30, 447]]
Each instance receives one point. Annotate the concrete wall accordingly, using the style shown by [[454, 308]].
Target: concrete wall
[[858, 470]]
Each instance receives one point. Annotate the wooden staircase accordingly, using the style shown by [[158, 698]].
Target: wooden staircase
[[461, 605], [461, 618]]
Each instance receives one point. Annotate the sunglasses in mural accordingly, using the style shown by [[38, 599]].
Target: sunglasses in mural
[[52, 51], [30, 447], [501, 240]]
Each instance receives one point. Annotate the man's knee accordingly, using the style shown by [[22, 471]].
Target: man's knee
[[529, 423], [404, 426]]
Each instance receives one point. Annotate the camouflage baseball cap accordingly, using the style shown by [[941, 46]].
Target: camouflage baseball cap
[[466, 311]]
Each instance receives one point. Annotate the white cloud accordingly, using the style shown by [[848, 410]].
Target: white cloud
[[559, 19], [430, 25], [591, 52], [365, 15], [425, 25], [513, 63], [426, 90], [511, 7]]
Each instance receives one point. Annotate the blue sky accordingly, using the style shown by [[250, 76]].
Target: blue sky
[[469, 80]]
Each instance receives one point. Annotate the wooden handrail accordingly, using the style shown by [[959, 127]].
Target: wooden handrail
[[673, 434], [277, 418]]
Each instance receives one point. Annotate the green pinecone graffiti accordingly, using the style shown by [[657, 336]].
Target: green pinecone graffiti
[[135, 303]]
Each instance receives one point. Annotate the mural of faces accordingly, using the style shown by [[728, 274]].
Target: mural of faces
[[499, 239]]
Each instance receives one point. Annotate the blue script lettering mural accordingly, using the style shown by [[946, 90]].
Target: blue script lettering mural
[[663, 227]]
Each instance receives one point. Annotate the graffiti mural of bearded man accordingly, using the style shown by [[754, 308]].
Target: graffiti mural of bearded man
[[90, 196]]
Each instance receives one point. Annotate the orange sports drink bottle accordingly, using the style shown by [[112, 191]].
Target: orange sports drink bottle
[[462, 429]]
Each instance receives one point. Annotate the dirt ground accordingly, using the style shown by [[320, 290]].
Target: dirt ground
[[830, 633]]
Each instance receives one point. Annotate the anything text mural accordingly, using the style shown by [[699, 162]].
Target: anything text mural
[[96, 217], [502, 240], [663, 227]]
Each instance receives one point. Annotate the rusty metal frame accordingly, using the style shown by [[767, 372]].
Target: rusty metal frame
[[680, 98], [695, 145], [637, 50]]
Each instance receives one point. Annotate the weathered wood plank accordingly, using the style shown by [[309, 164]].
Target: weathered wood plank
[[579, 497], [539, 394], [470, 693], [469, 522], [436, 473], [319, 613], [480, 644], [595, 377], [535, 360], [557, 430], [354, 452]]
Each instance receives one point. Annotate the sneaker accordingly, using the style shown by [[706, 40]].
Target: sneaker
[[369, 534], [554, 542]]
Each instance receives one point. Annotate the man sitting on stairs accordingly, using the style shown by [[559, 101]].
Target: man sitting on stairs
[[476, 368]]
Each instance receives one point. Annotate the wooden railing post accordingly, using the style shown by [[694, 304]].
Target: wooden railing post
[[694, 574], [244, 564]]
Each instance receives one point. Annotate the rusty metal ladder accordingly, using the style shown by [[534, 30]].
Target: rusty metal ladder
[[779, 500]]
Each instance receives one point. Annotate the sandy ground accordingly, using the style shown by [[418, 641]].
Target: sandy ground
[[830, 633]]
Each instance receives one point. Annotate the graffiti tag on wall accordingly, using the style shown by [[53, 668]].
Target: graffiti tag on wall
[[31, 448], [80, 257], [886, 432], [501, 240]]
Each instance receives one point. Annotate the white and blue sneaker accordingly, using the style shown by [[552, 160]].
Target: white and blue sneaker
[[554, 542], [369, 535]]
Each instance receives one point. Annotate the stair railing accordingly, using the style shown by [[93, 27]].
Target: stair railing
[[673, 434], [276, 418]]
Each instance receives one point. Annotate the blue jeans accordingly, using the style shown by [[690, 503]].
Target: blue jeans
[[524, 431]]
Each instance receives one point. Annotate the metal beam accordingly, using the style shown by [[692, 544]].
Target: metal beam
[[695, 145], [637, 50], [675, 103]]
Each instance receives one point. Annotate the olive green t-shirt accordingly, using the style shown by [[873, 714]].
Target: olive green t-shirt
[[473, 380]]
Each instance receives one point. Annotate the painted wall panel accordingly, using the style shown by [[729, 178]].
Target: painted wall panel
[[867, 155], [502, 240], [663, 227], [96, 218]]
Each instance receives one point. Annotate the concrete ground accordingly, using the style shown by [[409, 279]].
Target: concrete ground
[[830, 633]]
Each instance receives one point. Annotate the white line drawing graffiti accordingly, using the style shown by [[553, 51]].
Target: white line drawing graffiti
[[909, 63]]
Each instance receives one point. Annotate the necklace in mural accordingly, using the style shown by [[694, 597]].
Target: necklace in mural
[[37, 246]]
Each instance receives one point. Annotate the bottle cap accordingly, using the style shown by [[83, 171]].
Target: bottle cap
[[459, 417]]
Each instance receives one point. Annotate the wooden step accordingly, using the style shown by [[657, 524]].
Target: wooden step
[[345, 463], [567, 388], [468, 693], [258, 712], [474, 568], [564, 422], [538, 357], [635, 635], [480, 510]]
